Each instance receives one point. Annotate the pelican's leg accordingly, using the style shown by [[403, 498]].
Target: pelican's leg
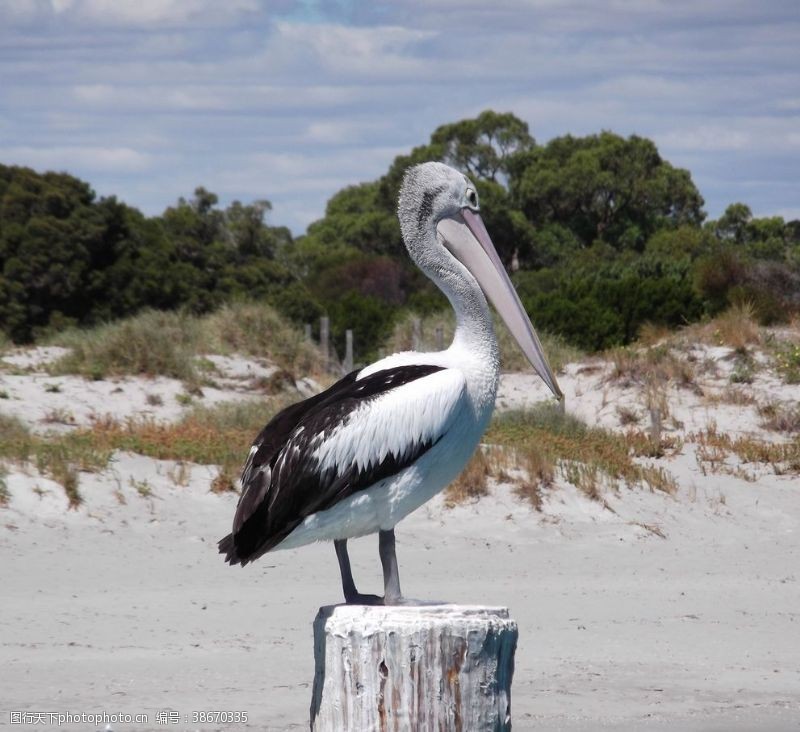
[[391, 577], [351, 595]]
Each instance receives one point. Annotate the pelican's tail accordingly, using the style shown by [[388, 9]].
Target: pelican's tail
[[228, 547]]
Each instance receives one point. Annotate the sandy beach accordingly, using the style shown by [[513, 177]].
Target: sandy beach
[[653, 611]]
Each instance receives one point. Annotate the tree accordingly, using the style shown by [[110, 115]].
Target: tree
[[732, 225], [605, 187], [195, 225], [247, 230], [490, 147], [357, 217], [484, 147], [50, 230]]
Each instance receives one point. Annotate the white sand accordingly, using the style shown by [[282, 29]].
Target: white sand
[[58, 403], [128, 607]]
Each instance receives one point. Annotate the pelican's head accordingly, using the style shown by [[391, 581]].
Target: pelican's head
[[440, 220]]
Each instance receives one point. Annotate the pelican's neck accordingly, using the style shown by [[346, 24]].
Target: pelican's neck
[[474, 345], [474, 327]]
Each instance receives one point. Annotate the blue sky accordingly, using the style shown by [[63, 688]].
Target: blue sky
[[290, 101]]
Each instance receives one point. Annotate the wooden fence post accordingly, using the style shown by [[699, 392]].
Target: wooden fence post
[[348, 351], [439, 338], [416, 334], [324, 340]]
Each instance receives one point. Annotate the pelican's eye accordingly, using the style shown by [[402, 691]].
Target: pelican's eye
[[472, 198]]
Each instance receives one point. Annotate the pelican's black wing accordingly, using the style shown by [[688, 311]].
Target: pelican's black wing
[[289, 474]]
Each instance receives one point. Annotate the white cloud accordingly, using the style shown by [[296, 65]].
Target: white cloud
[[71, 158], [345, 131], [291, 180], [211, 97], [148, 98], [385, 51], [706, 138], [127, 13]]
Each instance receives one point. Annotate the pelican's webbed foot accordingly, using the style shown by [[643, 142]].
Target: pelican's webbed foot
[[358, 598]]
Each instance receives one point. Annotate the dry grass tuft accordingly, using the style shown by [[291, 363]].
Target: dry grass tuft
[[736, 328], [627, 415], [588, 457], [713, 448], [218, 435], [15, 439], [780, 417], [649, 367], [225, 481], [60, 457], [539, 473], [654, 529], [652, 334], [5, 495], [643, 444], [731, 395], [58, 415], [472, 483]]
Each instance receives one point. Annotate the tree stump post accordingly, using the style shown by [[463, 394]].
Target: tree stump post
[[431, 667]]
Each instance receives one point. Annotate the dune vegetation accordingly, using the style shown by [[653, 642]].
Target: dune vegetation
[[608, 244], [158, 343], [603, 237]]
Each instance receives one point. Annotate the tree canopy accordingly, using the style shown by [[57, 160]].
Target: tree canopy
[[602, 235], [67, 257]]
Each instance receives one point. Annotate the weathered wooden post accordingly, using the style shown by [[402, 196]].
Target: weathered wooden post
[[430, 667], [324, 340], [416, 334], [348, 351], [307, 331], [439, 338]]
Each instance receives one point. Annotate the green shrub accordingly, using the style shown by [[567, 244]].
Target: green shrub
[[598, 305], [256, 329], [151, 343], [169, 343]]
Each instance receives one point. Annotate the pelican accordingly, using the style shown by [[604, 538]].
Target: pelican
[[363, 454]]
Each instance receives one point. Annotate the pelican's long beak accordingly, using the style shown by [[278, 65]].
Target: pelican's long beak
[[466, 238]]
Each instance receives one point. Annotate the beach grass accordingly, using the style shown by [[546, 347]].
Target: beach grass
[[159, 343], [532, 447]]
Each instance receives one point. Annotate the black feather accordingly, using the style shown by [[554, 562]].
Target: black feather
[[282, 484], [426, 206]]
